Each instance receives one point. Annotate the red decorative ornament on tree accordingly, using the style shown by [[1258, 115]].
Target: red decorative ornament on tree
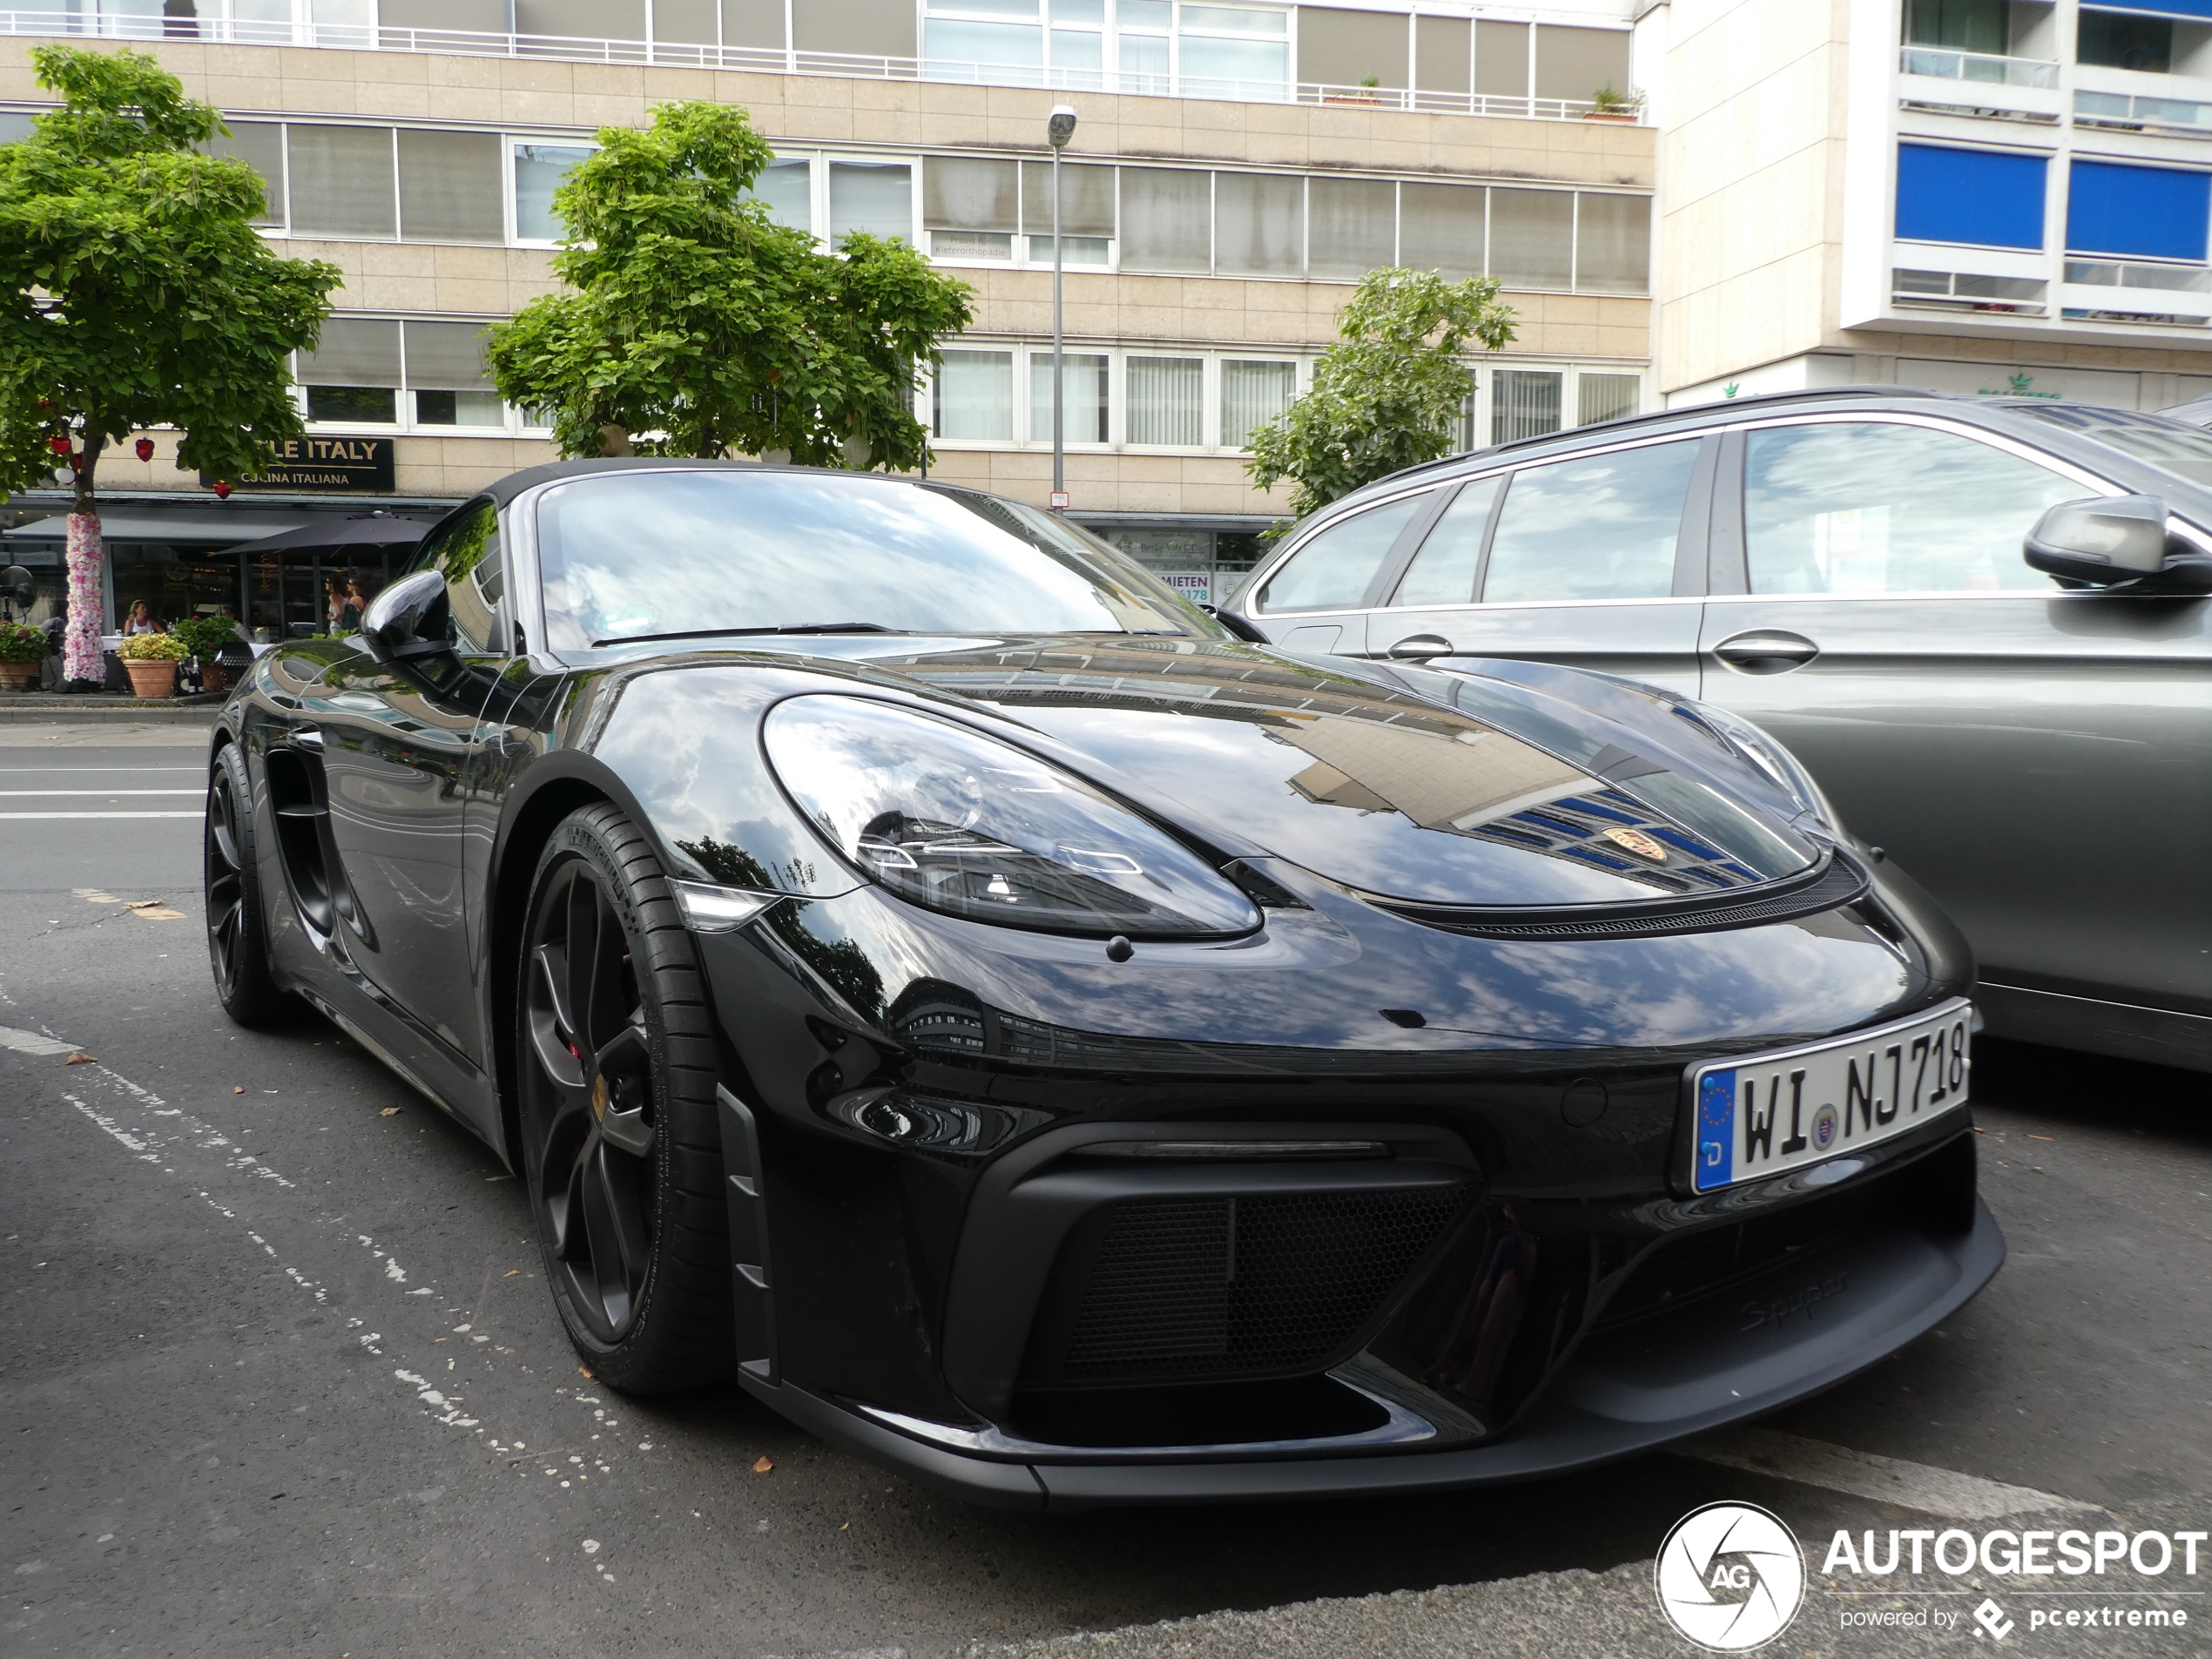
[[222, 489], [59, 446], [144, 447]]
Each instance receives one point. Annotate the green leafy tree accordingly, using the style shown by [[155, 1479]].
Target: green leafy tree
[[1387, 394], [133, 294], [698, 326]]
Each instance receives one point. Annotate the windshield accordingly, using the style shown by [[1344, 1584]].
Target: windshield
[[639, 554], [2178, 449]]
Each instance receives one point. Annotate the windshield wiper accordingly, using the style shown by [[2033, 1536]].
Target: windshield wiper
[[727, 633]]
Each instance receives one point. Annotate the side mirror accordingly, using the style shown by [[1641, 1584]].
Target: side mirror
[[2115, 541], [408, 619], [1236, 624]]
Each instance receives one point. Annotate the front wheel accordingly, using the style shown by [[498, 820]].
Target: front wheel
[[238, 934], [619, 1141]]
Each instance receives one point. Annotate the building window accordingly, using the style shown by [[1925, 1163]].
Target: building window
[[1166, 400], [1234, 51], [1963, 26], [353, 376], [1605, 397], [1612, 243], [1443, 229], [1258, 225], [990, 49], [540, 169], [1146, 46], [1083, 399], [1532, 238], [976, 395], [2151, 212], [971, 207], [876, 197], [786, 186], [1983, 198], [1167, 220], [1352, 227], [341, 182], [1524, 403], [449, 187], [444, 370], [1253, 394], [1086, 211], [2120, 40], [260, 146]]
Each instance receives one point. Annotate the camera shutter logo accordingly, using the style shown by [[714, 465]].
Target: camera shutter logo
[[1729, 1577]]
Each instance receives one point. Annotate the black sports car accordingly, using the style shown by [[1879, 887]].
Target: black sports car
[[1034, 1037]]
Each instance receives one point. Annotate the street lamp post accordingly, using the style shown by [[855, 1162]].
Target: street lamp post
[[1058, 130]]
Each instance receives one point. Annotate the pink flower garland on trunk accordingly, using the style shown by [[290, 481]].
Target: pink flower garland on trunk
[[83, 656]]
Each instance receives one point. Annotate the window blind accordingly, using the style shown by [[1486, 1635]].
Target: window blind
[[340, 181], [449, 187], [1258, 225], [1166, 400], [1167, 215]]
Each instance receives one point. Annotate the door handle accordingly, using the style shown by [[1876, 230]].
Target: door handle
[[1766, 651], [1418, 648]]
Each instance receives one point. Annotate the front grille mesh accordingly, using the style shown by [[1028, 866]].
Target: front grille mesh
[[1208, 1287]]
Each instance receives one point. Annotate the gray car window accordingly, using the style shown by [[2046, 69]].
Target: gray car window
[[1602, 527], [1443, 572], [1332, 570], [1875, 507]]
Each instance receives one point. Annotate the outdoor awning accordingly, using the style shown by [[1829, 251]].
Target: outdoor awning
[[367, 529], [215, 527]]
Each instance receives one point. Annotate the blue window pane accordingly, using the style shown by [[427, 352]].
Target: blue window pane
[[2155, 212], [1973, 196]]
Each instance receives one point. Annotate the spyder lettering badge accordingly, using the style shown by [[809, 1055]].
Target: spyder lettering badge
[[1765, 1114]]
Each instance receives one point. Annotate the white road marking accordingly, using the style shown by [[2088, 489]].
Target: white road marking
[[105, 795], [31, 1042], [1869, 1474], [20, 815]]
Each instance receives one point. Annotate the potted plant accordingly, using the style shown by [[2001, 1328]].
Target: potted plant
[[1365, 96], [203, 638], [1607, 105], [151, 660], [22, 649]]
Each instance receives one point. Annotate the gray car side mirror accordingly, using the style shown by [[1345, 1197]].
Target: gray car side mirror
[[408, 619], [2114, 541]]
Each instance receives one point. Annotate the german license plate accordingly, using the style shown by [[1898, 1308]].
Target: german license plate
[[1765, 1114]]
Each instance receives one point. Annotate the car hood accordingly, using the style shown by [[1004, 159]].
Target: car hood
[[1426, 788]]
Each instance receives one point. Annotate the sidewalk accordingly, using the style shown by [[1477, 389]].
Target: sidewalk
[[101, 707]]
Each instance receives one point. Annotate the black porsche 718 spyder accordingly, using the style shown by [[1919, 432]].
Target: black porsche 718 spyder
[[1025, 1033]]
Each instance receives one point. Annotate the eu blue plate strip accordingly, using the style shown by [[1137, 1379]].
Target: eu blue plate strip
[[1715, 1165]]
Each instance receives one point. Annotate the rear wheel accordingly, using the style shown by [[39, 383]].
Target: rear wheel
[[619, 1140], [238, 936]]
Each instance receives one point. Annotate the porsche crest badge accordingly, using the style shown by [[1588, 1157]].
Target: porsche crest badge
[[1637, 842]]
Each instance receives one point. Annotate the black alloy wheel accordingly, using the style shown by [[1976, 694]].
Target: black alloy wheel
[[238, 937], [619, 1143]]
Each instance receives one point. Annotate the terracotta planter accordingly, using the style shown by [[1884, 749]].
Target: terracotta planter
[[19, 676], [150, 679], [1609, 115], [213, 676]]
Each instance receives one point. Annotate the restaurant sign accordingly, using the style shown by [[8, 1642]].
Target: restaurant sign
[[323, 463]]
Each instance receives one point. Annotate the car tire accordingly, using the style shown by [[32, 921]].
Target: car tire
[[238, 933], [616, 1073]]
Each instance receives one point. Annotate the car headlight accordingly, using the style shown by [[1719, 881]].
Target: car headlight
[[1766, 752], [958, 822]]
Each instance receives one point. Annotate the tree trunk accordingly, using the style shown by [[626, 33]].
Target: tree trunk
[[83, 658]]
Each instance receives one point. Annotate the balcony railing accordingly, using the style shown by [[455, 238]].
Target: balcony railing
[[2126, 109], [1968, 291], [1940, 64], [2128, 273], [760, 60]]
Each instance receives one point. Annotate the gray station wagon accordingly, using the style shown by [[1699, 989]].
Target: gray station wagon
[[1981, 624]]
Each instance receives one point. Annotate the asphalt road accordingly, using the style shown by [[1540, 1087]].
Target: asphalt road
[[280, 1376]]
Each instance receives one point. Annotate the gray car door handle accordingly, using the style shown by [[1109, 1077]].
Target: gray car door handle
[[1766, 651], [1418, 648]]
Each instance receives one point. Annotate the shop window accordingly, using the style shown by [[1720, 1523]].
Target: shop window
[[1612, 243], [1253, 394], [1166, 400], [1532, 238], [260, 146], [1524, 403], [976, 395], [1258, 225], [539, 171], [1605, 397], [353, 375], [340, 182], [1442, 229], [1166, 219], [449, 187], [876, 197], [1352, 227], [971, 207], [1083, 409]]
